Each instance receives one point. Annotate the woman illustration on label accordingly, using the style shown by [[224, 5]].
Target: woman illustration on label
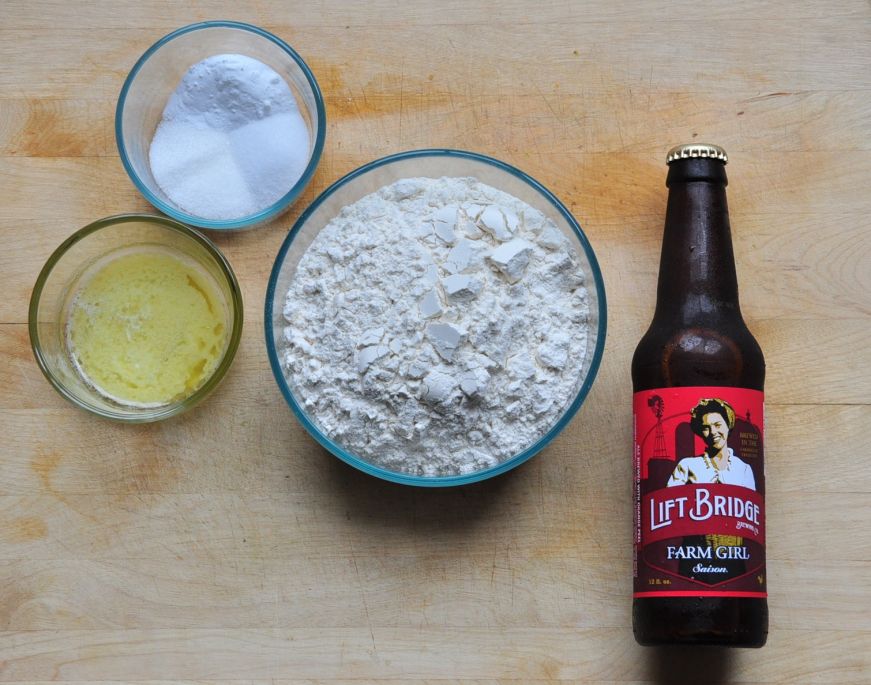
[[711, 420]]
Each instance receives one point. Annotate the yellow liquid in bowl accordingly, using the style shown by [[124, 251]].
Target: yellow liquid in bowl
[[147, 328]]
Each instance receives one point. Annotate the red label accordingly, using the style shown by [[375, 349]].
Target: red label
[[699, 493]]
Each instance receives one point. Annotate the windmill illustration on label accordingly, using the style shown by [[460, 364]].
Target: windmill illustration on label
[[657, 406]]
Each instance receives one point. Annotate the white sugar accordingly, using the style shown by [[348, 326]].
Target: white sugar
[[231, 141]]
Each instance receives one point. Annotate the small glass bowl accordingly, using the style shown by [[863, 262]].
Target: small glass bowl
[[159, 71], [432, 164], [60, 278]]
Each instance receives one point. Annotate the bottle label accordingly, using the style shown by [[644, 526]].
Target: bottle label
[[699, 493]]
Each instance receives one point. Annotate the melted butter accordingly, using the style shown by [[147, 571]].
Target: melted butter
[[147, 328]]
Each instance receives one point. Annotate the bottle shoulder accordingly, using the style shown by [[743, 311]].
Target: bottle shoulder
[[723, 353]]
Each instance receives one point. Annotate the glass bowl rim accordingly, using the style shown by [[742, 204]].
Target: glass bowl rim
[[279, 205], [407, 478], [158, 413]]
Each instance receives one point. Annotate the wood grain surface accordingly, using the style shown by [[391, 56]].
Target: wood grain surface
[[225, 546]]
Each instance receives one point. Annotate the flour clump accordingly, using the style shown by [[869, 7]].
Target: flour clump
[[437, 326]]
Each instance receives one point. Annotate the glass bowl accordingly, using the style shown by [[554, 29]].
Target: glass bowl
[[433, 164], [159, 71], [64, 273]]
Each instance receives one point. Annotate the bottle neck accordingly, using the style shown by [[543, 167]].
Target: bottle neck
[[697, 279]]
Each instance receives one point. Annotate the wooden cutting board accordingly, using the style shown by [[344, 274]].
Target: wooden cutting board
[[225, 545]]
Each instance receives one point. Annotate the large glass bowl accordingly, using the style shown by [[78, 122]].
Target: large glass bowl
[[159, 71], [432, 164], [66, 270]]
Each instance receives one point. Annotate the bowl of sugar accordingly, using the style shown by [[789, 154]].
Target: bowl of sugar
[[435, 318], [220, 125], [135, 318]]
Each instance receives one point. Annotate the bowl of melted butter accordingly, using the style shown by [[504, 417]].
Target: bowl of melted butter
[[135, 318]]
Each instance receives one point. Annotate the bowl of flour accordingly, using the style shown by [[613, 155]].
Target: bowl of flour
[[435, 318], [220, 125]]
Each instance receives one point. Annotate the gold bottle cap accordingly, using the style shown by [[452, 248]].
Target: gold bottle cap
[[696, 150]]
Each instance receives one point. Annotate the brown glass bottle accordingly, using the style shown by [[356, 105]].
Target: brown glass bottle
[[698, 338]]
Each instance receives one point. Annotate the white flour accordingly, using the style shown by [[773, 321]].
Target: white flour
[[231, 141], [436, 326]]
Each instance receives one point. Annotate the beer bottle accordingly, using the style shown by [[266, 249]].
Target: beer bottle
[[697, 378]]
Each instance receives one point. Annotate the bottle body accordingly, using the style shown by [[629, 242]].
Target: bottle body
[[698, 376]]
